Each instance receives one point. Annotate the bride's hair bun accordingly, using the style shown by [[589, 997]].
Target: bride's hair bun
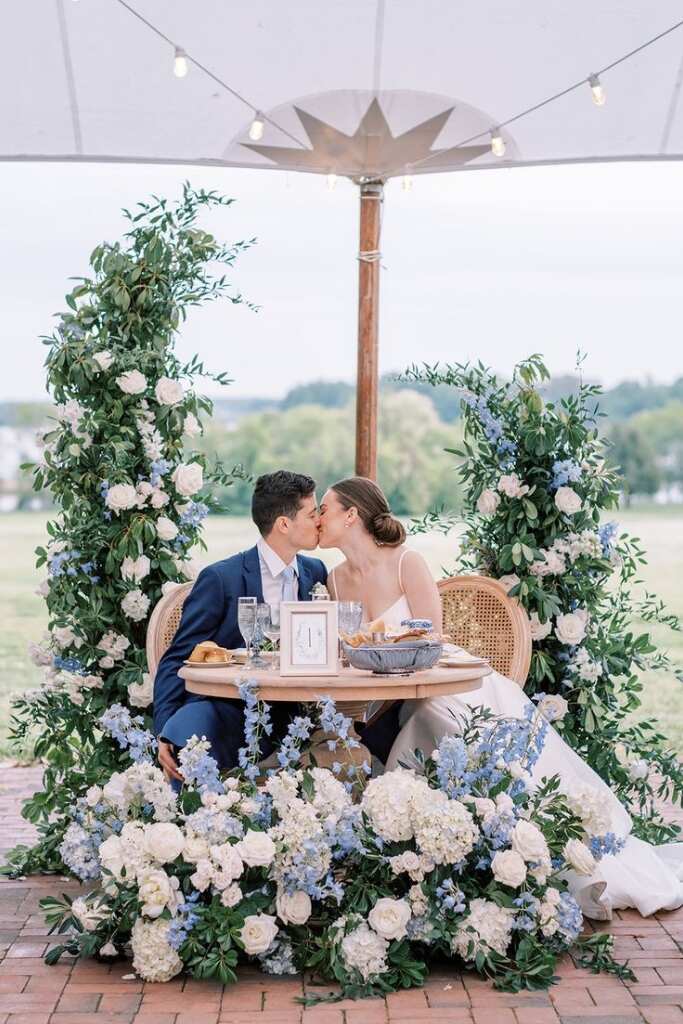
[[373, 509]]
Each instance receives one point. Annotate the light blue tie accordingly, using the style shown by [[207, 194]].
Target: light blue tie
[[289, 589]]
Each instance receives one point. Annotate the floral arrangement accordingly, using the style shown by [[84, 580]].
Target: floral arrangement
[[537, 488], [358, 881], [131, 493]]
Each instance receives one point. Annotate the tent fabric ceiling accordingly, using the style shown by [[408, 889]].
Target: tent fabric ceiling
[[90, 81]]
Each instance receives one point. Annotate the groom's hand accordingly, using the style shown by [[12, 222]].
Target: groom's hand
[[167, 761]]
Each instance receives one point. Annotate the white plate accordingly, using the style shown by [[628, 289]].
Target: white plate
[[210, 664], [455, 662]]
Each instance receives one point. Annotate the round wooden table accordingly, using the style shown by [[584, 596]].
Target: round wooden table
[[352, 690]]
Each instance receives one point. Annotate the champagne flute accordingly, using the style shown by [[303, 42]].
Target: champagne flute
[[246, 620], [271, 628]]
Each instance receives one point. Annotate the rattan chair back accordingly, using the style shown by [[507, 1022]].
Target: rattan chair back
[[479, 616], [163, 624]]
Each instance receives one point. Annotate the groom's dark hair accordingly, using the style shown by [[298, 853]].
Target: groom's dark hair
[[278, 494]]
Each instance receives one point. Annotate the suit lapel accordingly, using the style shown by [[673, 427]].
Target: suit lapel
[[251, 574], [305, 580]]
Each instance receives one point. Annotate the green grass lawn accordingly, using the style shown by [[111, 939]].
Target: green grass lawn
[[23, 616]]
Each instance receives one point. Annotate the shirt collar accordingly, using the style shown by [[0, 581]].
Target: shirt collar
[[272, 560]]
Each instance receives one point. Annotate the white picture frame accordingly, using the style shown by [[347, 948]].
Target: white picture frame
[[309, 638]]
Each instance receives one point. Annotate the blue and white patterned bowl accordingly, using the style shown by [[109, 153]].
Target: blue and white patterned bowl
[[394, 659]]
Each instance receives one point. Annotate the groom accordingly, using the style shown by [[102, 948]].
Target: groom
[[285, 511]]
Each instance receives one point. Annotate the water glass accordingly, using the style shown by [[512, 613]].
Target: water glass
[[262, 614], [350, 616], [246, 620], [271, 628]]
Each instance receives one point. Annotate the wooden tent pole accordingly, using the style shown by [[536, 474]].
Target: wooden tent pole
[[371, 196]]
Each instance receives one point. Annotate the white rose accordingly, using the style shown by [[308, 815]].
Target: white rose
[[509, 868], [257, 849], [106, 662], [164, 841], [509, 581], [156, 891], [121, 496], [389, 918], [228, 859], [487, 502], [88, 915], [294, 909], [159, 498], [579, 857], [63, 636], [168, 392], [132, 382], [571, 628], [553, 707], [529, 842], [166, 528], [192, 426], [141, 695], [196, 848], [135, 568], [512, 486], [568, 501], [108, 949], [258, 933], [188, 478], [231, 896], [135, 605], [539, 630], [103, 359]]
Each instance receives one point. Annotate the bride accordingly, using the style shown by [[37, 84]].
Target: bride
[[394, 583]]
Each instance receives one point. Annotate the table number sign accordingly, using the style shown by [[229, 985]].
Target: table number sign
[[308, 638]]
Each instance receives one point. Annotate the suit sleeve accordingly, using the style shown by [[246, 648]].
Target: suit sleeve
[[202, 613]]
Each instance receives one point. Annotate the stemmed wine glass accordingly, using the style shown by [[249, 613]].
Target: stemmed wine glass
[[246, 620], [271, 628]]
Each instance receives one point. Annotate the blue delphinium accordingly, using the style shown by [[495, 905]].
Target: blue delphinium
[[565, 471], [450, 896], [602, 846], [129, 732], [451, 767], [159, 468], [569, 917], [182, 924], [279, 957], [606, 534], [298, 731], [198, 767], [193, 513], [256, 722]]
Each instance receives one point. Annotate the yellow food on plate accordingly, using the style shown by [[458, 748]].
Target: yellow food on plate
[[377, 626], [209, 653]]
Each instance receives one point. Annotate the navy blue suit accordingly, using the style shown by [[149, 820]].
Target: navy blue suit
[[210, 613]]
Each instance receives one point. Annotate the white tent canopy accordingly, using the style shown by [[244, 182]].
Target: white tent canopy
[[369, 89], [90, 80]]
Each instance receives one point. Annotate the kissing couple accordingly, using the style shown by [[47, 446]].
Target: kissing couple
[[393, 583]]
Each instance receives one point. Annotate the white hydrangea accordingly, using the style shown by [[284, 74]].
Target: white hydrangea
[[138, 785], [444, 829], [330, 797], [590, 806], [365, 951], [154, 958], [135, 605], [387, 802], [487, 926]]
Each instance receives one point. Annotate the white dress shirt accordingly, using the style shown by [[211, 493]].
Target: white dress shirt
[[272, 568]]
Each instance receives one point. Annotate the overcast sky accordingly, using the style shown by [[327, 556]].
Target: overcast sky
[[490, 265]]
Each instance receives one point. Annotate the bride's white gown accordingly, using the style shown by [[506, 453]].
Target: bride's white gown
[[646, 877]]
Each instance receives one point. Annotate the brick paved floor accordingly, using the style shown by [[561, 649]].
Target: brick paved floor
[[84, 992]]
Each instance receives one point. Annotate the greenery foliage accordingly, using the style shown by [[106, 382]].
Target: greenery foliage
[[131, 498], [537, 489]]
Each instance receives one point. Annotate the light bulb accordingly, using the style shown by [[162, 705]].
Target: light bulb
[[497, 143], [256, 127], [331, 181], [597, 91], [180, 63], [407, 182]]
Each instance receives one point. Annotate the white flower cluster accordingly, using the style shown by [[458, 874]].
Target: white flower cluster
[[154, 958], [584, 666], [74, 685], [138, 785], [135, 605], [570, 628], [588, 805], [564, 551], [152, 441], [486, 928], [363, 950], [401, 805], [114, 646], [141, 695]]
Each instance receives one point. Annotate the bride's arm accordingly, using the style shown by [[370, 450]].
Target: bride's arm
[[420, 589]]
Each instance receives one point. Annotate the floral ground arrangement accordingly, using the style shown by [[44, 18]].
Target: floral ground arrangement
[[360, 881]]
